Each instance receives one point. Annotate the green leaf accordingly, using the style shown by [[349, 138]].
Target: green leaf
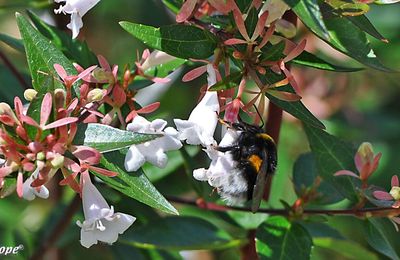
[[310, 14], [382, 236], [247, 220], [105, 138], [164, 69], [364, 24], [251, 21], [14, 43], [277, 238], [135, 185], [349, 39], [331, 155], [273, 52], [348, 8], [345, 248], [305, 173], [183, 41], [295, 108], [41, 55], [179, 233], [173, 5], [228, 82], [313, 61], [73, 49]]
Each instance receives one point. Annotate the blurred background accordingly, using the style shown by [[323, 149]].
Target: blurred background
[[359, 106]]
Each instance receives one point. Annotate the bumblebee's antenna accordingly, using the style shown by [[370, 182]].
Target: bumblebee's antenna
[[258, 113]]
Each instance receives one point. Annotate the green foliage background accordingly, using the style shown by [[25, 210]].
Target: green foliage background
[[367, 111]]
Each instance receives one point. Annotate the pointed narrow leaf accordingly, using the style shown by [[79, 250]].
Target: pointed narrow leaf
[[135, 185], [228, 82], [14, 43], [106, 138], [382, 236], [295, 108], [364, 24], [331, 155], [183, 41], [41, 55], [188, 233], [277, 238], [310, 14], [72, 48], [313, 61]]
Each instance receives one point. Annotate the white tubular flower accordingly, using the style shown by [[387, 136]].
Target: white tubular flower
[[29, 192], [151, 151], [223, 173], [77, 9], [156, 58], [200, 127], [101, 223]]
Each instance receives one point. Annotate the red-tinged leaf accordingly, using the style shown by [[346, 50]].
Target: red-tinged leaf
[[61, 122], [45, 109], [60, 71], [103, 63], [237, 15], [283, 95], [260, 25], [7, 120], [186, 10], [131, 116], [375, 162], [87, 154], [71, 165], [194, 73], [382, 195], [20, 181], [160, 80], [103, 171], [19, 108], [267, 35], [29, 120], [234, 41], [346, 173], [296, 51], [149, 108], [395, 181], [221, 6]]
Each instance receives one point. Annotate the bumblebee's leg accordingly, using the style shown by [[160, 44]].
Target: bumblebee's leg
[[227, 148]]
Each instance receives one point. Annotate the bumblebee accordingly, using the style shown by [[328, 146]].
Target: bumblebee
[[254, 153]]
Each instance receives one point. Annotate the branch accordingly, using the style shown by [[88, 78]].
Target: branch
[[363, 212]]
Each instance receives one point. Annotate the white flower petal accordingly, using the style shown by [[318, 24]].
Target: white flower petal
[[75, 25], [29, 192], [156, 58], [101, 224], [200, 174], [77, 9], [134, 159]]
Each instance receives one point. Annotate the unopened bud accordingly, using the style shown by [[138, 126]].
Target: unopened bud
[[103, 76], [395, 192], [237, 55], [14, 166], [95, 95], [4, 108], [58, 161], [366, 152], [40, 156], [30, 94], [59, 97]]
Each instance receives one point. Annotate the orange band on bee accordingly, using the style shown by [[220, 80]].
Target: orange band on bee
[[255, 161]]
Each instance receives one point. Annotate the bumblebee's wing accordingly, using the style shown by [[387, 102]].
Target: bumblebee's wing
[[259, 186]]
